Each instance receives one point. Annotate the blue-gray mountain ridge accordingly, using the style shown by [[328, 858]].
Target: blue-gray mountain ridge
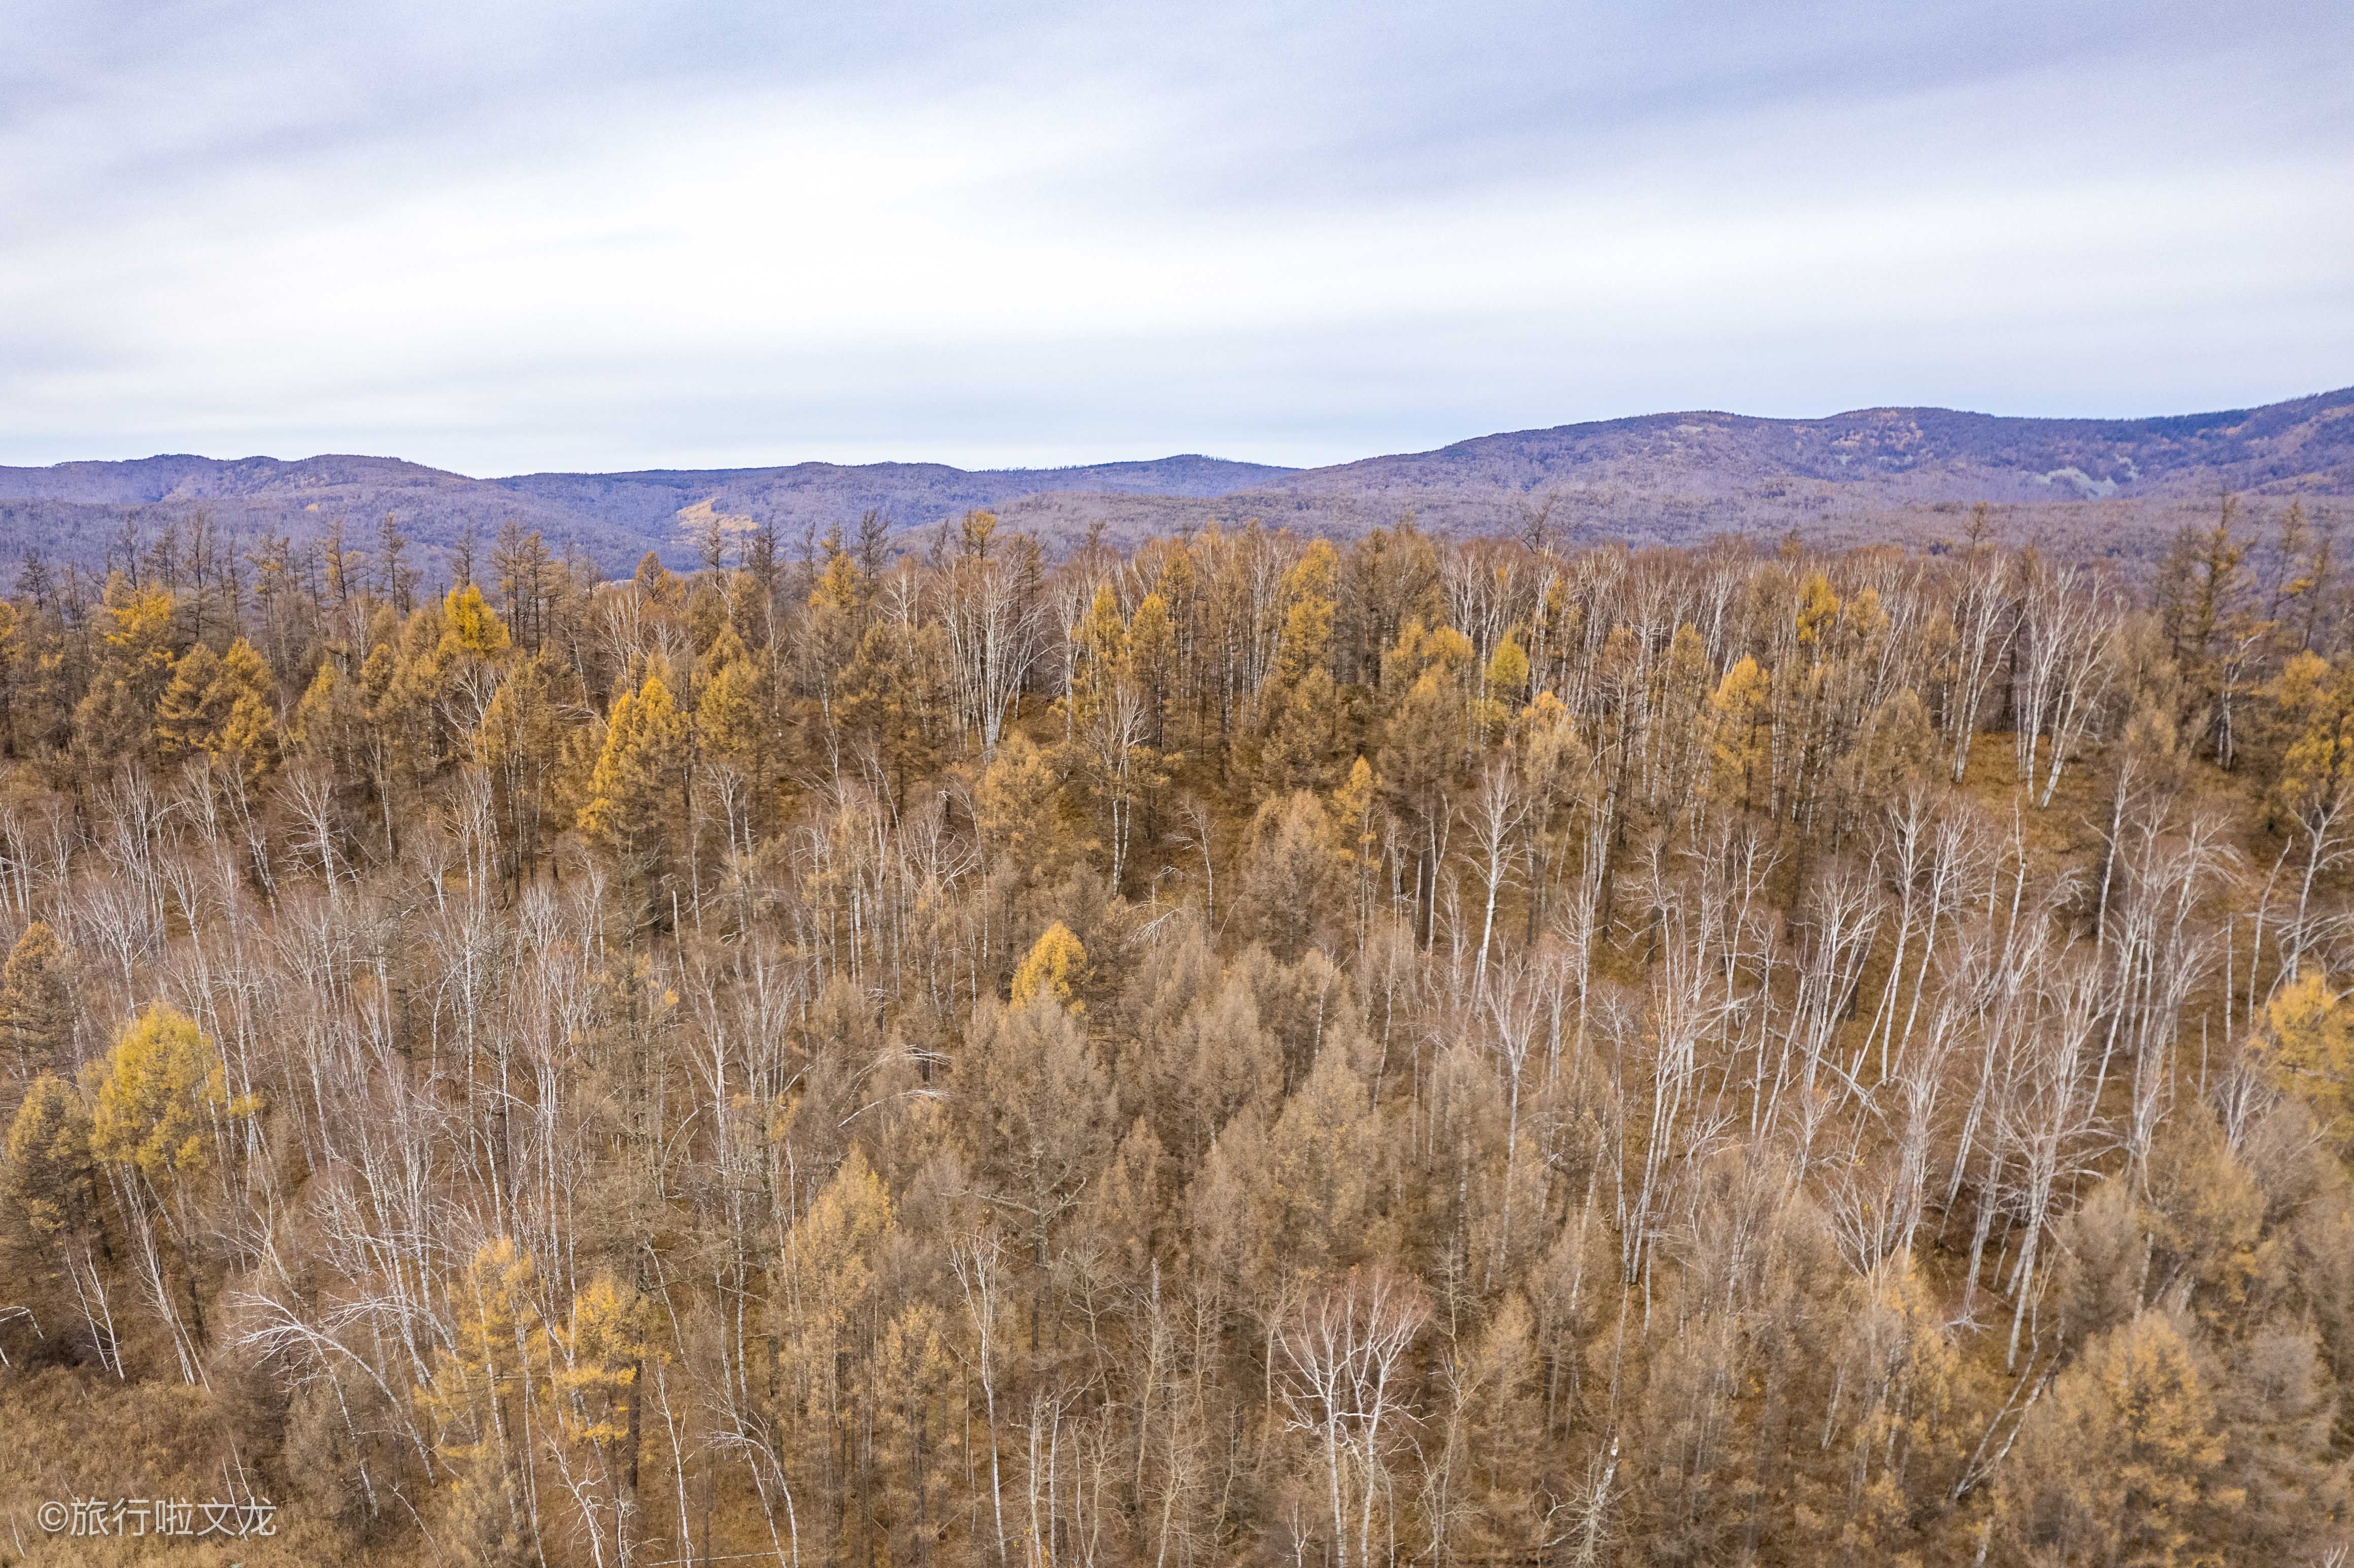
[[2087, 486]]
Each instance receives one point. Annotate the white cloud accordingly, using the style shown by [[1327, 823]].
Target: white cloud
[[1057, 242]]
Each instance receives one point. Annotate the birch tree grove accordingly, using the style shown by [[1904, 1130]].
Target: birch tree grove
[[1243, 1051]]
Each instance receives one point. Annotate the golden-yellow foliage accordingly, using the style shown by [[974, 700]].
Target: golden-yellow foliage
[[644, 739], [160, 1096], [49, 1179], [2307, 1046], [1055, 961], [1742, 711], [2117, 1465], [472, 627], [596, 1362]]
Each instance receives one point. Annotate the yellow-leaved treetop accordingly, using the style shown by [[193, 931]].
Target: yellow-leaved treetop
[[36, 1008], [469, 627], [192, 704], [2307, 1047], [160, 1096], [1298, 703], [886, 695], [50, 1181], [645, 746], [1742, 711], [1504, 685], [1054, 963], [834, 624], [1107, 724], [477, 1402], [829, 1277], [1818, 609], [1022, 831], [596, 1384], [733, 738], [1291, 872], [116, 715], [729, 700], [832, 1249], [1897, 1362], [598, 1367], [52, 1226], [2313, 795], [330, 721], [221, 707], [2119, 1463], [12, 661], [520, 744], [1353, 806]]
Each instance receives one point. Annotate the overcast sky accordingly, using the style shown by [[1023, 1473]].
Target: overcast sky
[[582, 235]]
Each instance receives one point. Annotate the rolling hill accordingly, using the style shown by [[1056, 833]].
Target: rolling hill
[[2100, 486]]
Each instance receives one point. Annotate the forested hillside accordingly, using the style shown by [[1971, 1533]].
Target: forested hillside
[[2084, 489], [1245, 1050]]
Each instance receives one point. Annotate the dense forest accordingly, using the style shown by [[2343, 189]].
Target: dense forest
[[1241, 1051]]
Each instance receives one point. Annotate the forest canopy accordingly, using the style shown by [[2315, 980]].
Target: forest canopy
[[1244, 1050]]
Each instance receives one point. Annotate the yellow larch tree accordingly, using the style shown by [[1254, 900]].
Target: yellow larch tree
[[635, 784], [1054, 964], [159, 1097]]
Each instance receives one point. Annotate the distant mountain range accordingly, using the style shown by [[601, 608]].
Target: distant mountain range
[[2098, 486]]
